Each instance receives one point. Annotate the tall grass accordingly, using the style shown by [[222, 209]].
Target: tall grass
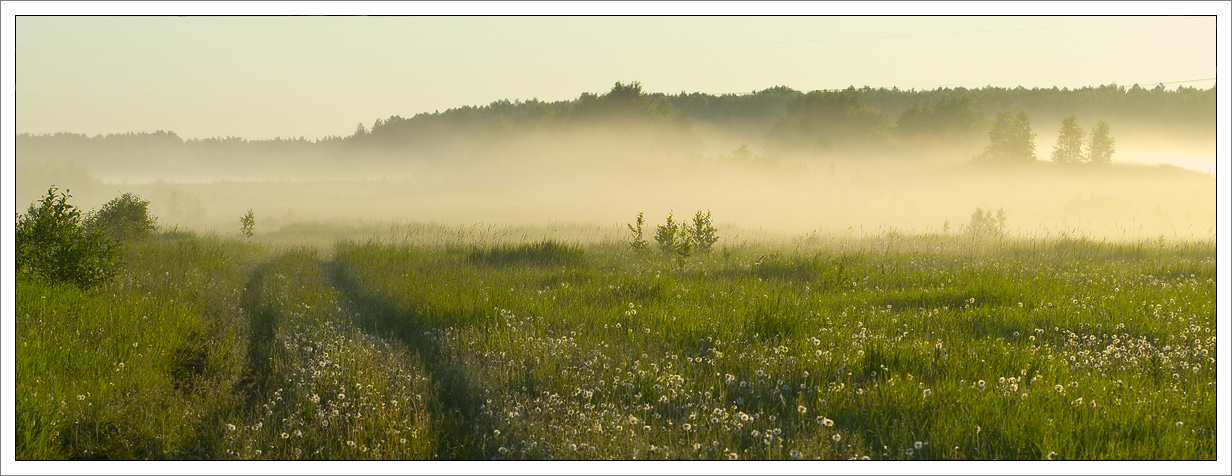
[[889, 347]]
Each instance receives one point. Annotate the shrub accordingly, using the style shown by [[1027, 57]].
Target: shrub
[[639, 242], [247, 222], [666, 235], [704, 233], [984, 224], [126, 216], [55, 243]]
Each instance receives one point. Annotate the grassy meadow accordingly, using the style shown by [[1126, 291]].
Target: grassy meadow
[[435, 343]]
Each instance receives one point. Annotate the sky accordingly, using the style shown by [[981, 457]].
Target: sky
[[260, 77]]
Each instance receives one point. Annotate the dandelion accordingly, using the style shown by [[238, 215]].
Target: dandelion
[[1077, 402], [927, 392], [686, 427], [918, 445], [350, 443], [802, 409], [1180, 424], [495, 432], [981, 383], [1060, 388], [837, 437], [756, 433], [284, 435], [230, 427], [1051, 454]]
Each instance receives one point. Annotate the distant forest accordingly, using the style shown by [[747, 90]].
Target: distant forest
[[779, 121]]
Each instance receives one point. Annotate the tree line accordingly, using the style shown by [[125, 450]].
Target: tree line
[[789, 121]]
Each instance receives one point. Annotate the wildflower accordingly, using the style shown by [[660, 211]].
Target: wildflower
[[910, 451], [918, 445], [284, 435], [230, 427], [1060, 388], [1180, 424], [796, 454], [981, 382], [1077, 402], [802, 409], [756, 433], [837, 437], [686, 427], [495, 432], [350, 443], [927, 392], [1051, 454]]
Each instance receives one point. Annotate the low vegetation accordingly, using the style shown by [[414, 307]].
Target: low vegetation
[[888, 347]]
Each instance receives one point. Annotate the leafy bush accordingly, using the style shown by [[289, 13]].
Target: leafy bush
[[639, 242], [247, 222], [704, 233], [666, 233], [54, 242], [984, 224], [126, 216]]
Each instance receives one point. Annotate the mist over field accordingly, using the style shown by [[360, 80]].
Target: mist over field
[[778, 161]]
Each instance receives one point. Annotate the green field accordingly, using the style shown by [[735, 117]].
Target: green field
[[886, 347]]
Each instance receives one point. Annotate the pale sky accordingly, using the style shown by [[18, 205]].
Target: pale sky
[[291, 76]]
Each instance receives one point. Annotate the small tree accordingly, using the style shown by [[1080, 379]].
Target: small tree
[[54, 242], [1011, 139], [247, 222], [639, 243], [985, 224], [665, 235], [684, 244], [126, 216], [1069, 143], [704, 233], [1102, 145]]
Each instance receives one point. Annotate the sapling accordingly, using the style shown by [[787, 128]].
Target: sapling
[[639, 243]]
